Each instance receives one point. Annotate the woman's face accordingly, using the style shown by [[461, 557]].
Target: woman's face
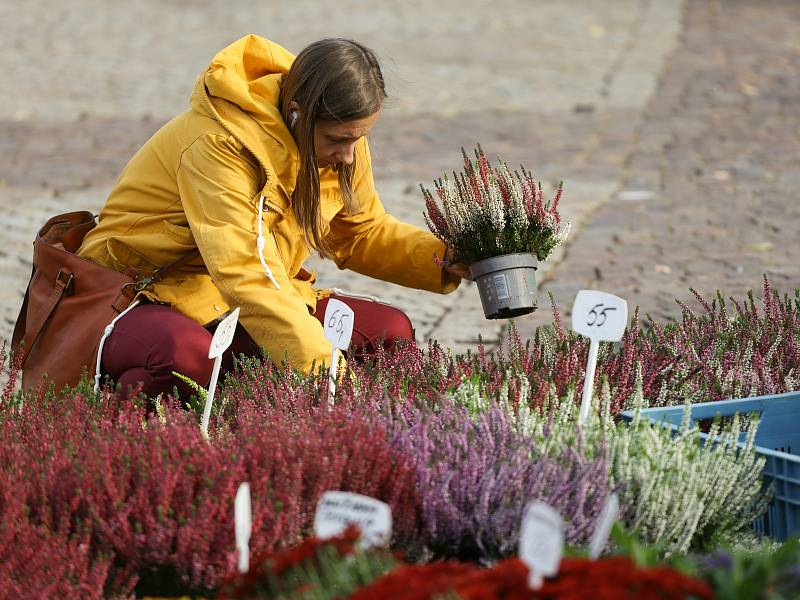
[[335, 142]]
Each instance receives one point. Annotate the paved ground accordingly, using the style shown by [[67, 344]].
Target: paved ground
[[715, 165], [694, 105]]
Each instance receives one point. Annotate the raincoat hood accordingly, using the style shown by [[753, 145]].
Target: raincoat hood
[[241, 89]]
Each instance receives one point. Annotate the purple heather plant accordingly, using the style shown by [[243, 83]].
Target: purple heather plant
[[475, 475]]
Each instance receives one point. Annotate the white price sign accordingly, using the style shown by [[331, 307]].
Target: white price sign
[[338, 323], [541, 542], [221, 341], [601, 317], [223, 335], [608, 517], [338, 326], [243, 518], [337, 510]]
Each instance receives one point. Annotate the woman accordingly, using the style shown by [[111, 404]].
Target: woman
[[268, 164]]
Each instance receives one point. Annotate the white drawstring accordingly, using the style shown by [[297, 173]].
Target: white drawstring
[[260, 244], [109, 328], [341, 292]]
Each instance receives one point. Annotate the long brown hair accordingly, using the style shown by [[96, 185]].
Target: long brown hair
[[330, 80]]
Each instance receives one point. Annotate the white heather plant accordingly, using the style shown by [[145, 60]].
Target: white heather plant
[[674, 491], [489, 212]]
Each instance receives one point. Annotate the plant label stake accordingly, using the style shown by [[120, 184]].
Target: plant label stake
[[337, 510], [541, 542], [608, 516], [221, 341], [602, 318], [243, 518], [338, 326]]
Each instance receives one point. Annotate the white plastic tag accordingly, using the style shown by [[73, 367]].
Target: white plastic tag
[[338, 323], [599, 316], [221, 341], [338, 326], [244, 524], [223, 336], [541, 542], [608, 517], [337, 510]]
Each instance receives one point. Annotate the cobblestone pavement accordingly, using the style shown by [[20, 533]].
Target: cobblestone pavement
[[709, 191], [559, 87]]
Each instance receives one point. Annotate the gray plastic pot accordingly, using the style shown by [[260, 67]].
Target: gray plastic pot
[[507, 285]]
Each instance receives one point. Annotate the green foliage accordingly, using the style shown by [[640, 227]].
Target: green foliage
[[760, 573]]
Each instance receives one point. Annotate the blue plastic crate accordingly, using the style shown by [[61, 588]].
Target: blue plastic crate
[[777, 440]]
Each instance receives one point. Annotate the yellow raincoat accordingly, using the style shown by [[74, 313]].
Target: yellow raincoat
[[199, 183]]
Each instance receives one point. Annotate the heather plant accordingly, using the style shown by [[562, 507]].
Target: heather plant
[[476, 473], [674, 490], [686, 492], [155, 498], [37, 562], [732, 350], [314, 570], [126, 500], [712, 355], [487, 211]]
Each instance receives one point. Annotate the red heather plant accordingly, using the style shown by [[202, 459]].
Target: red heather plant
[[723, 353], [298, 451], [152, 497], [487, 211], [157, 498], [36, 562], [615, 578], [713, 355], [316, 570]]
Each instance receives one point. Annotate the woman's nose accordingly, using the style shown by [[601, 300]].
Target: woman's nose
[[347, 155]]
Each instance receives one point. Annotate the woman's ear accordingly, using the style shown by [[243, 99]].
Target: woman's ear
[[294, 113]]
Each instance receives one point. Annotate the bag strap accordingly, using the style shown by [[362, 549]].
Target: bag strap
[[19, 326], [159, 273], [62, 284]]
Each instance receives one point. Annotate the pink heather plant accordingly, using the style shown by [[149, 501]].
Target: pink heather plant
[[38, 562], [487, 211], [157, 498]]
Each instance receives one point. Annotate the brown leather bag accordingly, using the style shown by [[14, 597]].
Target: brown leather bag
[[69, 303]]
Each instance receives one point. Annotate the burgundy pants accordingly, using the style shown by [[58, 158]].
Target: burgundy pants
[[152, 341]]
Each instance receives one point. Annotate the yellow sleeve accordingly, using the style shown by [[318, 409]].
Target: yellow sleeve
[[219, 190], [374, 243]]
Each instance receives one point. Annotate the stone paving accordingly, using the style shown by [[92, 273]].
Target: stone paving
[[708, 198], [684, 107]]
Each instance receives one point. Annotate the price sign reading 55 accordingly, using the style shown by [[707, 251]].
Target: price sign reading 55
[[599, 316], [602, 318]]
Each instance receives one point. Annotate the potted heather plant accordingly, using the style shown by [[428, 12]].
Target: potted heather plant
[[499, 224]]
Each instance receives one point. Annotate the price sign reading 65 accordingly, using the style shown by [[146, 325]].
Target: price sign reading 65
[[338, 323], [597, 316], [338, 326]]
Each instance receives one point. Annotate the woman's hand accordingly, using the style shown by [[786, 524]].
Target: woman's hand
[[458, 269]]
